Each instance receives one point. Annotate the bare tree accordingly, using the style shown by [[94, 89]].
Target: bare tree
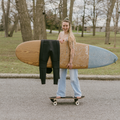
[[10, 17], [60, 17], [51, 18], [108, 20], [39, 22], [44, 23], [16, 17], [34, 8], [64, 9], [77, 19], [96, 10], [94, 20], [71, 10], [24, 20], [6, 16], [83, 19], [115, 19], [37, 15]]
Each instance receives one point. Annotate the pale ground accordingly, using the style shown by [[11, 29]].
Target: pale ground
[[27, 99]]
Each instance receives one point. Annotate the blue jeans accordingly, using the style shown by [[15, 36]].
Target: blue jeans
[[74, 82]]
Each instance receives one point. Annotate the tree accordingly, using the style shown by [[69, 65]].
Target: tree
[[24, 20], [33, 8], [94, 20], [115, 19], [6, 16], [51, 20], [96, 10], [1, 24], [83, 19], [16, 17], [39, 22], [71, 10], [38, 17], [60, 17], [10, 17], [108, 20], [64, 9], [116, 15]]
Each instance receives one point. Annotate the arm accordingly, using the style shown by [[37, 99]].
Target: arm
[[59, 38], [72, 52]]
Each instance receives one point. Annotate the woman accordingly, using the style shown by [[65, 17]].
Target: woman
[[67, 35]]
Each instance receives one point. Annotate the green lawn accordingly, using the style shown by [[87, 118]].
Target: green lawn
[[10, 64]]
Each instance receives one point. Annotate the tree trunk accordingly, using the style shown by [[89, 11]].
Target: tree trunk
[[17, 27], [109, 14], [3, 15], [71, 10], [51, 28], [39, 23], [116, 23], [82, 35], [33, 16], [117, 15], [6, 17], [83, 20], [24, 20], [14, 26], [94, 18], [44, 23], [60, 6], [64, 9]]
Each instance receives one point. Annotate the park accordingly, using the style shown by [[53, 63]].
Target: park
[[22, 96], [10, 63]]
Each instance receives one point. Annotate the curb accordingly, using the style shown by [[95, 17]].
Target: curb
[[50, 76]]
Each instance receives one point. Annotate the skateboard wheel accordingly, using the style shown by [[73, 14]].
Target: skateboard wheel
[[55, 103], [77, 102]]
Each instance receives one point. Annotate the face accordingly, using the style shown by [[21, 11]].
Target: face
[[65, 26]]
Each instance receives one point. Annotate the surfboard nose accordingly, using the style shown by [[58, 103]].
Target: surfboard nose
[[99, 57], [115, 59]]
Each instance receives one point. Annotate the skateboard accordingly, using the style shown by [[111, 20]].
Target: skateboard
[[54, 99]]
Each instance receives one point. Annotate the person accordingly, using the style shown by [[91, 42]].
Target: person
[[67, 35]]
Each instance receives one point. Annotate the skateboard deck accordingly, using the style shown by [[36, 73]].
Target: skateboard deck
[[54, 99], [86, 56]]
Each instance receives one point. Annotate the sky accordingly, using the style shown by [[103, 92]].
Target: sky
[[0, 10], [79, 13], [101, 21]]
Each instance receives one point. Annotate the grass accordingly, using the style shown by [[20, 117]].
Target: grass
[[10, 64]]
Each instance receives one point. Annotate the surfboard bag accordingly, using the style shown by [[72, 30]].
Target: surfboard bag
[[49, 48]]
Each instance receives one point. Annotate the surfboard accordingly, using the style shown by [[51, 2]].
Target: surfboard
[[86, 56]]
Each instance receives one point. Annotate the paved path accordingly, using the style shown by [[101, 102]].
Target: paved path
[[56, 31], [27, 99], [50, 76]]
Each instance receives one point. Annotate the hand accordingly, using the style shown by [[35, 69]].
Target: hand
[[69, 65], [61, 41]]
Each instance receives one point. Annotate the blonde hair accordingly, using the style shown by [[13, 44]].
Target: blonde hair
[[71, 37]]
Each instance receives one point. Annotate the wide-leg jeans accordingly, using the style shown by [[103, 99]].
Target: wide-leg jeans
[[74, 83]]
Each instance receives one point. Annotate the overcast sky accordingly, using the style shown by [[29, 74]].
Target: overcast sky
[[101, 21]]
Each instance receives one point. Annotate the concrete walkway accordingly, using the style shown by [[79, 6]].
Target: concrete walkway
[[28, 99], [50, 76], [56, 31]]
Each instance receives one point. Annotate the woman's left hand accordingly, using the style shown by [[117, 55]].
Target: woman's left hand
[[69, 65]]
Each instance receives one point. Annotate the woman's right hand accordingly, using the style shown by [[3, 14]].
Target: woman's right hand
[[61, 41], [70, 65]]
